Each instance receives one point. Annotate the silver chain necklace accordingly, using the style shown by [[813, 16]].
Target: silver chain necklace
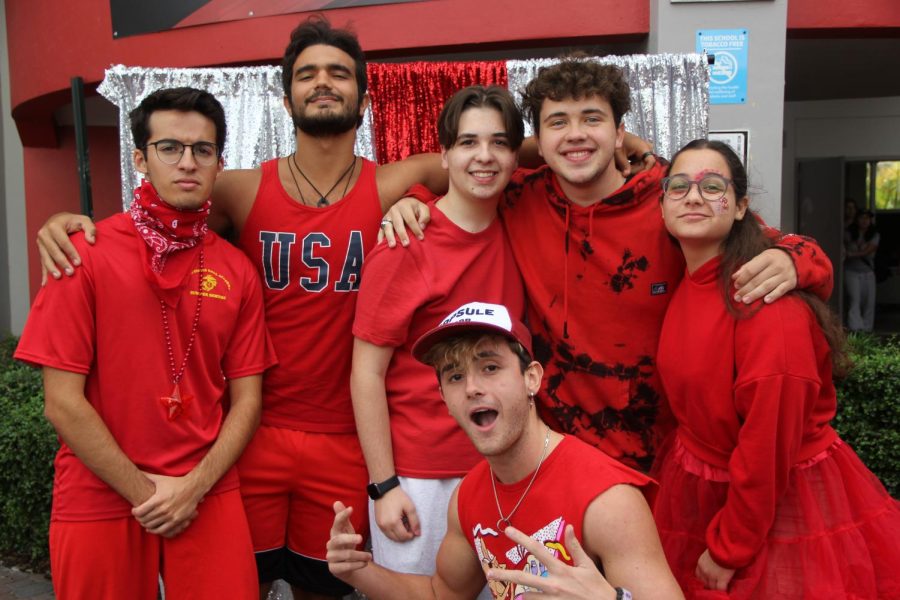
[[507, 518]]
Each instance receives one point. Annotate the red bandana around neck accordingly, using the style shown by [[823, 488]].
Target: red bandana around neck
[[165, 228]]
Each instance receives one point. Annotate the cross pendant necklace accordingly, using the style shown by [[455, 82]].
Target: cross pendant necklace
[[176, 404]]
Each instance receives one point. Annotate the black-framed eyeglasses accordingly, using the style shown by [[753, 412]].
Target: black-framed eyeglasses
[[711, 187], [170, 152]]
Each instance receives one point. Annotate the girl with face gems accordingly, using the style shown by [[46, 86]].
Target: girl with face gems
[[759, 497]]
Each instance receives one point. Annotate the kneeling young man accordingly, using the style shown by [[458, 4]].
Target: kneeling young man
[[534, 480], [139, 349]]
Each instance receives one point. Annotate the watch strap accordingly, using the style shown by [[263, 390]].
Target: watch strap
[[378, 490]]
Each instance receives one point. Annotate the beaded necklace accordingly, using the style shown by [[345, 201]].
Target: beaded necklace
[[175, 403]]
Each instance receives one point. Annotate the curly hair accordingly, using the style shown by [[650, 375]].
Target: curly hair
[[576, 77]]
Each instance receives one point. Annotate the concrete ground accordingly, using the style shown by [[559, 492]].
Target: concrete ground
[[19, 585]]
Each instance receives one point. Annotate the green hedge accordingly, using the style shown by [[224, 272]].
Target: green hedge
[[868, 419], [27, 447], [868, 415]]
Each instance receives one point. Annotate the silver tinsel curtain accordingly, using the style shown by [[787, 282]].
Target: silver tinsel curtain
[[259, 128], [669, 105]]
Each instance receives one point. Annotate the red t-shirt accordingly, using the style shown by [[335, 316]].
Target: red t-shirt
[[598, 281], [753, 396], [310, 260], [571, 477], [105, 322], [406, 292]]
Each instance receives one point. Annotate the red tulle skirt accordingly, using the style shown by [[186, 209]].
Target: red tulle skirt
[[836, 533]]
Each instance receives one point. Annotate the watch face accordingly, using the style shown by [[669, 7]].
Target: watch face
[[373, 491], [377, 490]]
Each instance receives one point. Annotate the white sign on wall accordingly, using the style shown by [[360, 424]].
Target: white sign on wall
[[737, 140]]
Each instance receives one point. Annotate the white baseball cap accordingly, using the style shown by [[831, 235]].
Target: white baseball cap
[[474, 316]]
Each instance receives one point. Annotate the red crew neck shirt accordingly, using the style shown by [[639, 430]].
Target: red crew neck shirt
[[405, 293], [105, 322]]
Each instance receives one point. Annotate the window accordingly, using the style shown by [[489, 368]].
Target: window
[[883, 190]]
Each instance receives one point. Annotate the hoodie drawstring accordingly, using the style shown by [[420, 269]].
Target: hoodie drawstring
[[566, 278]]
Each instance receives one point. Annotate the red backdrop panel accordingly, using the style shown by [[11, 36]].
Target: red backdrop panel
[[407, 99]]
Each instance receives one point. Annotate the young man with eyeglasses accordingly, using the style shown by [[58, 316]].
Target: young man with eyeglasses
[[540, 512], [140, 349]]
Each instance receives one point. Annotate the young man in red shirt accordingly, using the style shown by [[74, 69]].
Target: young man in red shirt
[[139, 350], [415, 452], [555, 488]]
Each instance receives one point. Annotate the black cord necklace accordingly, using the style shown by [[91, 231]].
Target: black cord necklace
[[323, 198]]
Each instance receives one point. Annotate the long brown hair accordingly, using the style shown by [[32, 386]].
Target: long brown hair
[[747, 240]]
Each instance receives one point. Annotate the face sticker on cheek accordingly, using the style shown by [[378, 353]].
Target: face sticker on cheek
[[720, 206]]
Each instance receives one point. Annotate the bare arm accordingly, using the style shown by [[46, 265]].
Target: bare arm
[[395, 513], [619, 529], [865, 249], [395, 178], [529, 155], [458, 576], [175, 502], [635, 155], [82, 429], [232, 198]]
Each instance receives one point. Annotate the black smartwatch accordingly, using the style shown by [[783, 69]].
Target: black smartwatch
[[377, 490]]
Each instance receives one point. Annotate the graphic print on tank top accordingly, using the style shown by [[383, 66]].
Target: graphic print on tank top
[[518, 557]]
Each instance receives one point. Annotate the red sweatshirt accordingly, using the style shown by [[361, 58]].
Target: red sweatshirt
[[598, 281], [753, 396]]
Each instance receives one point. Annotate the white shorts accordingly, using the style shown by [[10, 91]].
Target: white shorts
[[418, 555]]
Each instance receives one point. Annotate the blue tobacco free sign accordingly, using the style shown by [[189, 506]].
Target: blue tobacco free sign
[[728, 73]]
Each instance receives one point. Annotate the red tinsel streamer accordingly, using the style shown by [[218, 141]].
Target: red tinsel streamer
[[408, 97]]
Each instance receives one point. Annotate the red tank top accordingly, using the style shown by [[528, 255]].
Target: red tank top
[[559, 496], [310, 260]]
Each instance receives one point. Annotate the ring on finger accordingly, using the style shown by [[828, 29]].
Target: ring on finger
[[385, 222]]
